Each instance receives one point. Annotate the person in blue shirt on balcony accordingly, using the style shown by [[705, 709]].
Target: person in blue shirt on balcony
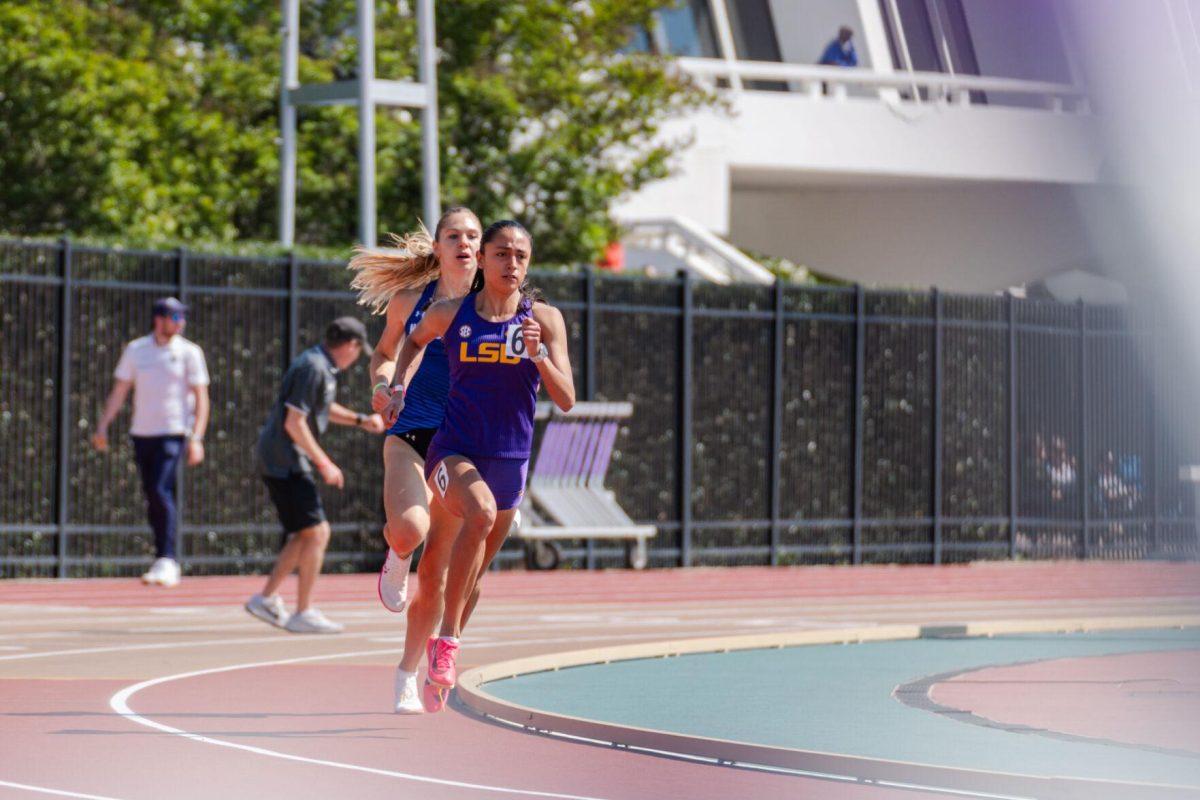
[[840, 52]]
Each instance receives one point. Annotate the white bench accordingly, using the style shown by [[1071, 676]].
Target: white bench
[[1190, 473], [566, 497]]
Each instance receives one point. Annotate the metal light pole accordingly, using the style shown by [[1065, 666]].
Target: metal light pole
[[366, 92]]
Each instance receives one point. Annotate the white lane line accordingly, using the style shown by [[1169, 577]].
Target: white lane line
[[470, 643], [155, 646], [59, 792], [280, 638], [120, 704], [666, 616], [41, 635], [510, 612]]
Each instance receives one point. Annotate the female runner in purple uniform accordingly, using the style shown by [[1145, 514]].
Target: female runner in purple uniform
[[502, 344], [426, 270]]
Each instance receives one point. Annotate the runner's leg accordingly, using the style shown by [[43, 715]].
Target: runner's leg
[[426, 608], [494, 543], [468, 497], [405, 496]]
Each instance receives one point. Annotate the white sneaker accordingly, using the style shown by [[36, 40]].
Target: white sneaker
[[408, 693], [393, 581], [163, 572], [515, 527], [271, 610], [312, 621]]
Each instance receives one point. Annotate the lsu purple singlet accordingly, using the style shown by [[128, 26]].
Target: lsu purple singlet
[[493, 396]]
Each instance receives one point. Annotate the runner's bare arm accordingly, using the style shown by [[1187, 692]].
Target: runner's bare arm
[[546, 326], [436, 321], [383, 360]]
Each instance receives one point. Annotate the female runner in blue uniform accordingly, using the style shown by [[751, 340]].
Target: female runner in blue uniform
[[407, 283], [501, 344]]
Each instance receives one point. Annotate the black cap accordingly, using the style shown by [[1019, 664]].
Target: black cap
[[166, 306], [345, 329]]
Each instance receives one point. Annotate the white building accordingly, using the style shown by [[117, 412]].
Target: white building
[[962, 152]]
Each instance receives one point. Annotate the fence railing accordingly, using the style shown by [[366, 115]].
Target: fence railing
[[772, 424], [831, 82]]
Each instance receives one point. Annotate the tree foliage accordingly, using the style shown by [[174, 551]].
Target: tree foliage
[[159, 121]]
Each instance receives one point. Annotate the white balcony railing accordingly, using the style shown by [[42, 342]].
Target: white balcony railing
[[833, 82], [680, 243]]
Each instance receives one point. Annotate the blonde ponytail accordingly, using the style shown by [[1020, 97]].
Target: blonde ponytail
[[382, 274]]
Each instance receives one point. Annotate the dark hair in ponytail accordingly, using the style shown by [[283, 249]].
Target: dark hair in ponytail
[[529, 294]]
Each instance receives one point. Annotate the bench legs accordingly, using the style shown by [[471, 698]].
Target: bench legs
[[547, 554], [542, 554], [636, 556]]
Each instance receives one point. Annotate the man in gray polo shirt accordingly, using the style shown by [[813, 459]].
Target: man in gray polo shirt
[[288, 452]]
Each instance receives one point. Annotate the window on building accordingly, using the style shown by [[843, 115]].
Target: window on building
[[684, 30], [753, 30], [687, 30], [754, 37], [1018, 39]]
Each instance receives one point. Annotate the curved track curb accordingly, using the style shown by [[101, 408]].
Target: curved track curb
[[868, 770]]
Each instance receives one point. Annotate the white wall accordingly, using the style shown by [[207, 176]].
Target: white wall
[[791, 132], [790, 138], [699, 187], [804, 27], [969, 238]]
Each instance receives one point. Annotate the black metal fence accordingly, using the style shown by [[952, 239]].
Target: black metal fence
[[772, 425]]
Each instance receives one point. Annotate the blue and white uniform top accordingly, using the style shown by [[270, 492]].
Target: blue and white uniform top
[[425, 396], [493, 386]]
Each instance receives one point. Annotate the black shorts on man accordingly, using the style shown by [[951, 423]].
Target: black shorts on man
[[297, 500]]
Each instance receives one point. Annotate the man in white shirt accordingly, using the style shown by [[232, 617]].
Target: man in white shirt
[[170, 412]]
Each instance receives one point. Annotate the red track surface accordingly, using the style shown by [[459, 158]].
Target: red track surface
[[987, 581], [321, 727], [1144, 699]]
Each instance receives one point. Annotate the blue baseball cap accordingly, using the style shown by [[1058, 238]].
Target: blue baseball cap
[[169, 306]]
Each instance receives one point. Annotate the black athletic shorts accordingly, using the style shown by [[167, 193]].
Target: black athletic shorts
[[297, 500], [418, 439]]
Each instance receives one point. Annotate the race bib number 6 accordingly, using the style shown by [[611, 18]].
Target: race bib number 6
[[441, 479], [514, 342]]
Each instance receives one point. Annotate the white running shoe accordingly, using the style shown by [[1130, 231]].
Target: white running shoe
[[516, 523], [271, 610], [393, 581], [408, 693], [163, 572], [312, 621]]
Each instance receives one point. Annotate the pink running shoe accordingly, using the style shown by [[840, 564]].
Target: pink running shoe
[[430, 647], [441, 666], [433, 697]]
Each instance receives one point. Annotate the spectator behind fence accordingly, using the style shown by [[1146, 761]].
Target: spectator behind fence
[[288, 451], [840, 52], [1116, 492], [170, 407], [1061, 470]]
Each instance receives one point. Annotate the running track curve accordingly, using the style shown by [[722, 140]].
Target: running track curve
[[215, 704]]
